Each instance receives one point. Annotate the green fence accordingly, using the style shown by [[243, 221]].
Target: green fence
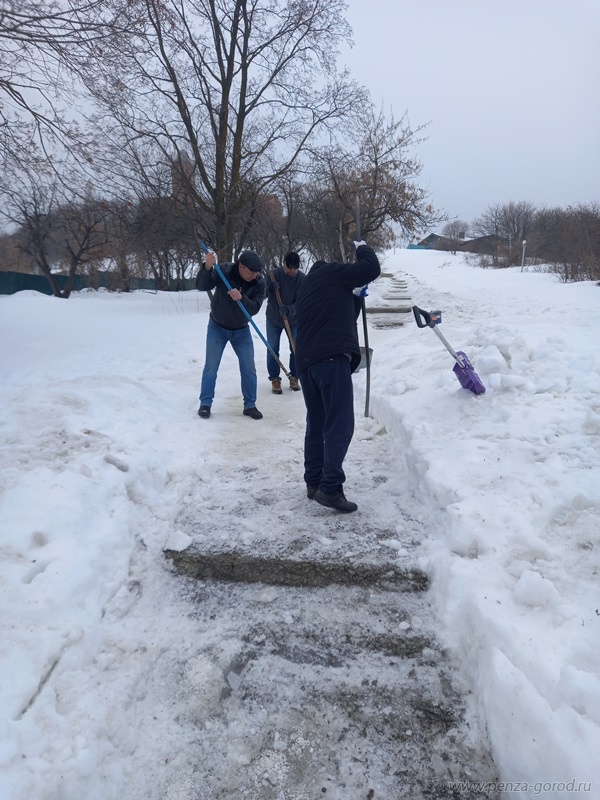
[[11, 282]]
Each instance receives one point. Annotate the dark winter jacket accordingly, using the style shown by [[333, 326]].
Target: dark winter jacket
[[288, 291], [327, 309], [223, 310]]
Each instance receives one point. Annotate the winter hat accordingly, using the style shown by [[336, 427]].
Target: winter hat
[[292, 260], [251, 261]]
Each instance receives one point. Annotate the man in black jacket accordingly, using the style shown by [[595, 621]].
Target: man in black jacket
[[286, 281], [228, 323], [327, 353]]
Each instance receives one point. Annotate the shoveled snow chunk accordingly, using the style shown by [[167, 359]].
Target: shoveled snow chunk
[[178, 541]]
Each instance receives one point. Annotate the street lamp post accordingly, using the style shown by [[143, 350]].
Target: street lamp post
[[524, 243]]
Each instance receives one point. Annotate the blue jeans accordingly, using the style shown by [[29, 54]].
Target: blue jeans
[[273, 338], [241, 341], [329, 397]]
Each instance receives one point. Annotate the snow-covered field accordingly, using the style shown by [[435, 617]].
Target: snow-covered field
[[101, 448]]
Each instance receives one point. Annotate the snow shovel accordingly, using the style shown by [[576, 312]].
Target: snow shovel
[[463, 369]]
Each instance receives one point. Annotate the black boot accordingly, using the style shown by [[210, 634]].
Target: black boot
[[336, 501], [253, 412]]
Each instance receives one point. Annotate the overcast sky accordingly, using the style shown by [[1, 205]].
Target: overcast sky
[[509, 87]]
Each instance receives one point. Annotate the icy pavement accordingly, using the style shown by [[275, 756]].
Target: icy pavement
[[329, 681]]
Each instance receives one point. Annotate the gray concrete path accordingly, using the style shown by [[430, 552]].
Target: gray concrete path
[[317, 629]]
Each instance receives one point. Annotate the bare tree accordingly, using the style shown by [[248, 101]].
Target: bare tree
[[509, 221], [162, 234], [56, 231], [456, 231], [374, 164], [569, 240], [11, 257], [154, 231], [243, 87], [488, 223], [39, 44]]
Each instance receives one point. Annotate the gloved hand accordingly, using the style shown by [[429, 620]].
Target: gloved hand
[[358, 244], [274, 286], [287, 311], [361, 291]]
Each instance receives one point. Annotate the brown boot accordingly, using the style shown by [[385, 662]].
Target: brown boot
[[294, 385], [276, 386]]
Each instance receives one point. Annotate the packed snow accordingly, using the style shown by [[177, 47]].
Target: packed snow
[[102, 450]]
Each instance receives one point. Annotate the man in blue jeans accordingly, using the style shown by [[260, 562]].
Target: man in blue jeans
[[228, 323], [327, 353], [286, 281]]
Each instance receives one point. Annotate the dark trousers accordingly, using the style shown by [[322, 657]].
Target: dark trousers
[[329, 397], [216, 341], [273, 338]]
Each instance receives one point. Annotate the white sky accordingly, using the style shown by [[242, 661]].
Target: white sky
[[510, 88], [117, 684]]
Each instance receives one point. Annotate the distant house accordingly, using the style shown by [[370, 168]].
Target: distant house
[[436, 242], [484, 245]]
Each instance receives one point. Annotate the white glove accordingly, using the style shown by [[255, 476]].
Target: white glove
[[358, 244], [361, 291]]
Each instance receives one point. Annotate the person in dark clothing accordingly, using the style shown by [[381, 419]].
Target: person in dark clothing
[[286, 280], [228, 323], [327, 353]]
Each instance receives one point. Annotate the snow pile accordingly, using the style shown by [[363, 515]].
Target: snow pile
[[515, 476]]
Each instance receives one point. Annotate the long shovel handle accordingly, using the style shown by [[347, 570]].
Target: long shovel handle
[[363, 308], [241, 305], [284, 317], [448, 347]]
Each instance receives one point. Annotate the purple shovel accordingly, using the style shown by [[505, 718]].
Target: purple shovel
[[463, 369]]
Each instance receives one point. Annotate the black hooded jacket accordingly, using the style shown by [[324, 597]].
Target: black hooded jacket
[[326, 309], [223, 310], [288, 291]]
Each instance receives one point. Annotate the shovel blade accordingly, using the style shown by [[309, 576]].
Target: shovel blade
[[363, 357], [467, 376]]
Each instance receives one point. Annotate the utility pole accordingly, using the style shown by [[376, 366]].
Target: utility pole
[[524, 243]]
